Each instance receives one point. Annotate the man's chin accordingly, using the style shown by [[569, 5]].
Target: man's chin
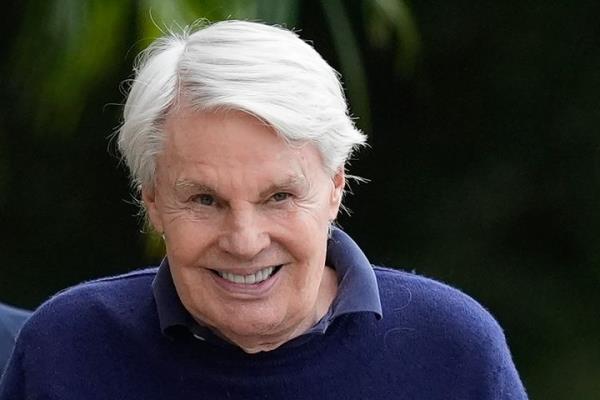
[[260, 348], [264, 337]]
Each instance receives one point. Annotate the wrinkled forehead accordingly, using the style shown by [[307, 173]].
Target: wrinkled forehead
[[232, 145], [230, 134]]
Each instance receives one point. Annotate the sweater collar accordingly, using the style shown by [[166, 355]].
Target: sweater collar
[[357, 290]]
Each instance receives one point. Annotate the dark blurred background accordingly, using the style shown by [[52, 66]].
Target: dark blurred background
[[484, 163]]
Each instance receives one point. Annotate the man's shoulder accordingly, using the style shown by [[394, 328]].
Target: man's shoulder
[[442, 329], [121, 297], [437, 307], [117, 288]]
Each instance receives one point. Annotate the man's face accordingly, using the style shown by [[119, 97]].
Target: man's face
[[245, 218]]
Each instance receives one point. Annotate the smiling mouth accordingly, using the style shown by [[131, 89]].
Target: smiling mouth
[[250, 279]]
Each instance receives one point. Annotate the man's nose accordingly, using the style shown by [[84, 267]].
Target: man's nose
[[244, 236]]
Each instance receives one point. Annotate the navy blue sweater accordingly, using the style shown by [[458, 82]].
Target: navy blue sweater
[[101, 340]]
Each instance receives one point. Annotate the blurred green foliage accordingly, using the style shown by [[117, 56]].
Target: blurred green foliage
[[483, 121]]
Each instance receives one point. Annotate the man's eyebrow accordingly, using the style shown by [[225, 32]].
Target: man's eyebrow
[[291, 182], [184, 184]]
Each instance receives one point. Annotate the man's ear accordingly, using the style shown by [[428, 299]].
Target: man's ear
[[339, 183], [149, 200]]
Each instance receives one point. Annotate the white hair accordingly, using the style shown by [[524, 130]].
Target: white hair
[[266, 71]]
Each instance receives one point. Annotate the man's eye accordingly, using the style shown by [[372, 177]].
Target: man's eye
[[204, 199], [281, 196]]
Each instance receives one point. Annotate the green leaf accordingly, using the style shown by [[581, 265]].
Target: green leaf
[[391, 21]]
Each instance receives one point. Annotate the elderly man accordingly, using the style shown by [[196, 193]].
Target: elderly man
[[11, 320], [236, 137]]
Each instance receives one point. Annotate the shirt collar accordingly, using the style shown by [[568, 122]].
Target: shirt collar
[[357, 291], [171, 313]]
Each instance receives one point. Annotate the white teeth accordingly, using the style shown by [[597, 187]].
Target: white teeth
[[257, 277]]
